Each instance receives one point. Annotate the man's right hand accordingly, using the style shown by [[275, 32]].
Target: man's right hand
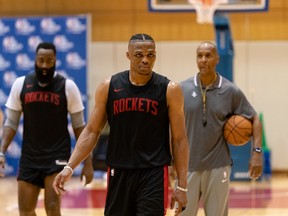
[[60, 180]]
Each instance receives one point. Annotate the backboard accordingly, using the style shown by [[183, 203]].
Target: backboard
[[229, 6]]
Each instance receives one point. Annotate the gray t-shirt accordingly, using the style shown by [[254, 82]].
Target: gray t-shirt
[[208, 148]]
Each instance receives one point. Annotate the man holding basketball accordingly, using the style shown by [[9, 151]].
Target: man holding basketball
[[209, 100]]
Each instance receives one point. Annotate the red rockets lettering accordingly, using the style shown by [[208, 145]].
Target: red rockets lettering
[[135, 104], [46, 97]]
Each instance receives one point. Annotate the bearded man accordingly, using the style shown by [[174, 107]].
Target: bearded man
[[45, 98]]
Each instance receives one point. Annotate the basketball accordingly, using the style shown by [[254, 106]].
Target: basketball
[[237, 130]]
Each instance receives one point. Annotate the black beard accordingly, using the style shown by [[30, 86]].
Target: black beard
[[45, 79]]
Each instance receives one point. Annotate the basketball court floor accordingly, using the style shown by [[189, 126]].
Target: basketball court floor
[[263, 198]]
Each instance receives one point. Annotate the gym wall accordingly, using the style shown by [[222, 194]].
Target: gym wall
[[116, 20]]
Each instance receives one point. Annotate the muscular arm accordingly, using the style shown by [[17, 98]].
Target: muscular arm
[[10, 128], [89, 136], [180, 147], [7, 137], [13, 114], [9, 131], [257, 132]]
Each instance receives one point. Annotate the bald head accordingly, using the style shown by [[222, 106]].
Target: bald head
[[207, 45]]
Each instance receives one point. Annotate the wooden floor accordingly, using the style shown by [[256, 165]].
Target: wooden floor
[[264, 198]]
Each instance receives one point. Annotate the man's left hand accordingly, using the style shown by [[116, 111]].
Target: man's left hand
[[181, 198], [256, 165], [87, 173]]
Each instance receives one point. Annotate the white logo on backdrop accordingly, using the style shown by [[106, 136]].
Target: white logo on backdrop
[[3, 97], [3, 63], [74, 61], [48, 26], [24, 62], [62, 43], [3, 28], [11, 45], [58, 63], [33, 42], [75, 26], [24, 27], [9, 77]]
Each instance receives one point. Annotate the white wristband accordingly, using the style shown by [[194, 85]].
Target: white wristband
[[2, 154], [182, 189], [69, 168]]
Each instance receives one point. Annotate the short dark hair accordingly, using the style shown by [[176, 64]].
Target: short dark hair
[[46, 45], [141, 37]]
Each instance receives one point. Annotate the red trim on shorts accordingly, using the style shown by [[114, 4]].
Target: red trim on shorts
[[108, 176], [107, 181], [166, 185]]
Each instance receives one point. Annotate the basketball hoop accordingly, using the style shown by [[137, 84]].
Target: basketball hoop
[[205, 9]]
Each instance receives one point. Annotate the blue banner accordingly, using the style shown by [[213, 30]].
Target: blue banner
[[19, 38]]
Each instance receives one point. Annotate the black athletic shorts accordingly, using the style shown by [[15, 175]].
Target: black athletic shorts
[[137, 192], [36, 176]]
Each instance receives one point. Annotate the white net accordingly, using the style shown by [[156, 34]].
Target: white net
[[205, 9]]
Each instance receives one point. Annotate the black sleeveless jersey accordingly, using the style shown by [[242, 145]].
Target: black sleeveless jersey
[[139, 123], [45, 135]]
